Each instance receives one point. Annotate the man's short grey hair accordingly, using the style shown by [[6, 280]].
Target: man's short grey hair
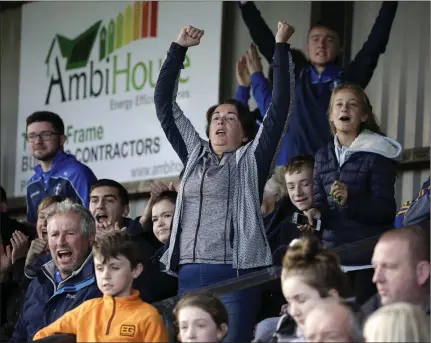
[[86, 220], [354, 327]]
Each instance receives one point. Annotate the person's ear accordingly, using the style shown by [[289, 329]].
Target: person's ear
[[126, 211], [422, 272], [245, 139], [222, 332], [137, 270], [333, 293], [63, 139]]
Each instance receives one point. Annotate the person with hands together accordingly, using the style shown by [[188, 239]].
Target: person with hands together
[[354, 178], [222, 185], [156, 188]]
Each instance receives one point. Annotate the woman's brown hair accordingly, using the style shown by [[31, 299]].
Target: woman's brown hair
[[371, 122], [48, 201], [205, 301], [318, 267], [247, 121]]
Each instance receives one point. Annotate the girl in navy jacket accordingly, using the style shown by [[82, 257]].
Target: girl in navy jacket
[[354, 176]]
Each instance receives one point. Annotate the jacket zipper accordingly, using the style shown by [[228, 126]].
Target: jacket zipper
[[110, 319], [50, 279], [226, 225], [200, 214]]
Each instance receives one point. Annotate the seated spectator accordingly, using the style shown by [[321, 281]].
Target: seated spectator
[[200, 317], [281, 231], [14, 243], [354, 178], [39, 245], [58, 173], [158, 227], [68, 279], [121, 312], [309, 274], [156, 188], [401, 263], [298, 176], [332, 321], [398, 322], [12, 283], [416, 212], [109, 205], [9, 225]]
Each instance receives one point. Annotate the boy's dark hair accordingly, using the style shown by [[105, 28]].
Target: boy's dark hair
[[296, 164], [205, 301], [3, 196], [50, 117], [247, 121], [122, 192], [112, 244], [166, 195]]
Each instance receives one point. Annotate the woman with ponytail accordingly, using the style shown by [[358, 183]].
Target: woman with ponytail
[[309, 274]]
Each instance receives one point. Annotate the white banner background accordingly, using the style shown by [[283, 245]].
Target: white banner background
[[42, 21]]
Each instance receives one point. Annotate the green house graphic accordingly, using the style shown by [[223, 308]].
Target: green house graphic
[[77, 51]]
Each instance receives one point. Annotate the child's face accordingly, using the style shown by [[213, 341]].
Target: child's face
[[162, 213], [197, 325], [347, 113], [300, 188], [41, 224], [115, 276]]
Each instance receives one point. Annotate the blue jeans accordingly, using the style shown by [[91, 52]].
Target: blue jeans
[[242, 306]]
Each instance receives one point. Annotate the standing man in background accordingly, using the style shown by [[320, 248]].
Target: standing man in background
[[58, 173]]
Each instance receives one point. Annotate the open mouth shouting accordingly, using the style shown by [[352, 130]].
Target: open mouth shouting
[[220, 132], [101, 217], [64, 256], [345, 119]]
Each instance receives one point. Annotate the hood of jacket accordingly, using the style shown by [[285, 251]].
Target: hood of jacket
[[368, 141]]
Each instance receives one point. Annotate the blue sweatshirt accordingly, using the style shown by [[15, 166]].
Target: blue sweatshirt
[[67, 177], [308, 126]]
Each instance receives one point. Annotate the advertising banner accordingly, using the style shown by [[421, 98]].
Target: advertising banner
[[96, 65]]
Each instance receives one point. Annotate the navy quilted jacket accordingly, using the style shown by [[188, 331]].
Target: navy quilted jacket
[[369, 171]]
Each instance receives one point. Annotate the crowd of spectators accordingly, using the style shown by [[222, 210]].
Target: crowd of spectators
[[310, 170]]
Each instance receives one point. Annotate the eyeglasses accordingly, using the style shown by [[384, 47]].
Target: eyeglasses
[[45, 136]]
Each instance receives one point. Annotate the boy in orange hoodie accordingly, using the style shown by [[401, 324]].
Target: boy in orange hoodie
[[120, 315]]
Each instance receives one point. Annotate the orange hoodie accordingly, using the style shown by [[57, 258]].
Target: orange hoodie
[[108, 319]]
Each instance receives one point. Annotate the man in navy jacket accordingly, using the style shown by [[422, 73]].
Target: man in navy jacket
[[68, 279], [58, 173], [308, 129]]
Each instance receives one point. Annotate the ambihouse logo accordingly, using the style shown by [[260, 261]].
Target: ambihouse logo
[[79, 77]]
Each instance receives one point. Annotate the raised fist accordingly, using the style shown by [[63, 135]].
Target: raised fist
[[189, 36], [285, 31]]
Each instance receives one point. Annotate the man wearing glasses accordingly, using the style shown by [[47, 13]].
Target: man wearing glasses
[[58, 173]]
